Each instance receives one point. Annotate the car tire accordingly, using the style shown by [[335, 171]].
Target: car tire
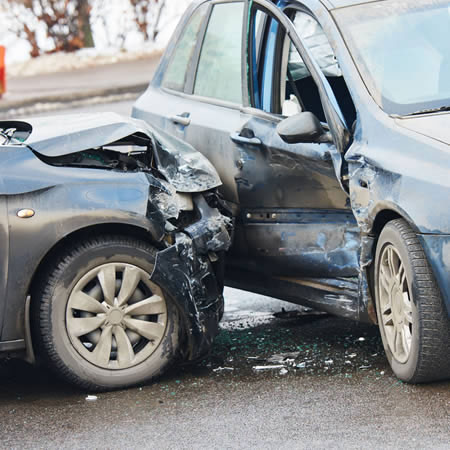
[[412, 317], [99, 321]]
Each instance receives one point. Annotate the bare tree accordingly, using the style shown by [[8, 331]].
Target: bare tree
[[66, 23], [147, 16]]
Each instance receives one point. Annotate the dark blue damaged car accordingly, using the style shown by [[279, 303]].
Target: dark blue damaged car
[[112, 239], [329, 125]]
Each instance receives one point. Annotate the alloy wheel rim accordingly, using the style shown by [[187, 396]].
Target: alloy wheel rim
[[116, 317], [395, 303]]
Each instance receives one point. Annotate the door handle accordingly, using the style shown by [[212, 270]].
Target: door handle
[[236, 137], [182, 119]]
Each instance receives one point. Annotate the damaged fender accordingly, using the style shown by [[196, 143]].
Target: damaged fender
[[185, 270]]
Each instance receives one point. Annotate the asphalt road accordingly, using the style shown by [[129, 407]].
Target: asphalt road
[[334, 389]]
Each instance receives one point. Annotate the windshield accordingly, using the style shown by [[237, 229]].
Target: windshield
[[402, 50]]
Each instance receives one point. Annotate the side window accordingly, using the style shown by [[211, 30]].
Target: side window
[[298, 83], [175, 75], [219, 68], [284, 73], [298, 91]]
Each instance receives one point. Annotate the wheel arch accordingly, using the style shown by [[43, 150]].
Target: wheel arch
[[382, 217], [89, 231]]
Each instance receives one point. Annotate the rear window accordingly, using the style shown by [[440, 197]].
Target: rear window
[[219, 69], [175, 75]]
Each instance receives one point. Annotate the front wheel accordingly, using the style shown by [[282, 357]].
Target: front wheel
[[100, 322], [413, 320]]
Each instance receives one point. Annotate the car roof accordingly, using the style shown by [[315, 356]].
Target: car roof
[[330, 4], [344, 3]]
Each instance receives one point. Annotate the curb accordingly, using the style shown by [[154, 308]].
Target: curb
[[61, 99]]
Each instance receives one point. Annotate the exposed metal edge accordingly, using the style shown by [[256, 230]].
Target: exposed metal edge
[[316, 284], [342, 303]]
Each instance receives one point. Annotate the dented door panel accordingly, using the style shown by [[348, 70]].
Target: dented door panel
[[279, 175], [307, 243]]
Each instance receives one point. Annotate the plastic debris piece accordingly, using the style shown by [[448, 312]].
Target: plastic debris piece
[[221, 369], [273, 367], [283, 358], [283, 371], [353, 355], [91, 398], [328, 362], [361, 339], [301, 365]]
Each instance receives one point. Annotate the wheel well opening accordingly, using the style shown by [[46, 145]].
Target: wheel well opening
[[382, 218], [84, 233]]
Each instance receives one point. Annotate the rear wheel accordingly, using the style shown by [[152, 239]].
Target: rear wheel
[[413, 320], [102, 323]]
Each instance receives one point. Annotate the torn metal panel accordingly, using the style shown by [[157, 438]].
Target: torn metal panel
[[186, 271]]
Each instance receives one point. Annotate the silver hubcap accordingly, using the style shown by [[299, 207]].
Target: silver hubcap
[[116, 317], [395, 304]]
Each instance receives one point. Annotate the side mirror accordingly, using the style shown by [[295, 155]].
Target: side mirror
[[303, 127]]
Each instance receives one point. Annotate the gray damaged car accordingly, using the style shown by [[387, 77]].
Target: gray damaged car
[[112, 238], [328, 122]]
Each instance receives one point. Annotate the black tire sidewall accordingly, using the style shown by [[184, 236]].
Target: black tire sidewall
[[405, 371], [59, 347]]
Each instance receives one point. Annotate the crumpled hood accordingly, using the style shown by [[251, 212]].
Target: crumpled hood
[[435, 126], [183, 166]]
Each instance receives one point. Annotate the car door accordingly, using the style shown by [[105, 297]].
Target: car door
[[198, 89], [296, 215]]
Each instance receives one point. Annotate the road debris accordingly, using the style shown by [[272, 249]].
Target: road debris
[[223, 369], [273, 367], [284, 358]]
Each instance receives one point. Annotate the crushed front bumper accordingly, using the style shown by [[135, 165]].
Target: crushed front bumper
[[185, 271]]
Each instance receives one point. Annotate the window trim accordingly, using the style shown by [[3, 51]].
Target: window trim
[[198, 98]]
